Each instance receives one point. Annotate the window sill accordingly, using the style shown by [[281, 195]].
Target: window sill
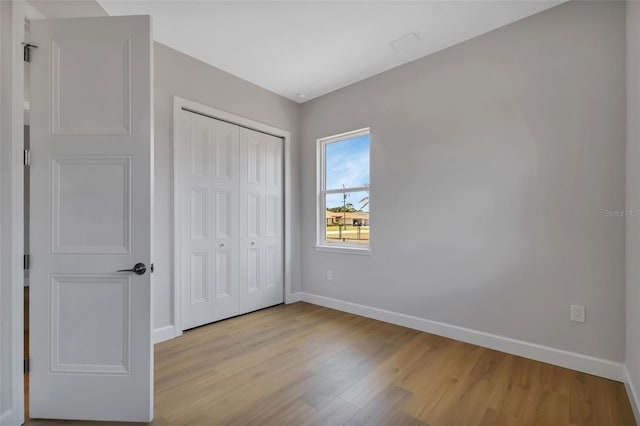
[[345, 250]]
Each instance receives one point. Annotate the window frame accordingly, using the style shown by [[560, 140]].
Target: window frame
[[322, 192]]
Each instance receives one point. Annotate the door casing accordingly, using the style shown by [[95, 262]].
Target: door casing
[[13, 14], [178, 104]]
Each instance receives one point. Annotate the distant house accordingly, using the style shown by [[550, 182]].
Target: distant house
[[347, 218]]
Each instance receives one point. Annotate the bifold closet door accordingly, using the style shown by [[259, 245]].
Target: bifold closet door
[[261, 220], [209, 165], [231, 219]]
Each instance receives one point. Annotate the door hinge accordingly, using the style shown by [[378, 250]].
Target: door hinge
[[26, 51], [27, 157], [25, 365], [26, 261]]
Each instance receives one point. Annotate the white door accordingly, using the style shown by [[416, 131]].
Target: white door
[[231, 207], [91, 199], [261, 260], [210, 231]]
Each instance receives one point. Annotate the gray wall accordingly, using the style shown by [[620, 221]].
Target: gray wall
[[492, 165], [633, 196], [177, 74]]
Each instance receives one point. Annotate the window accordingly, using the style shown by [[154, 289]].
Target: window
[[343, 192]]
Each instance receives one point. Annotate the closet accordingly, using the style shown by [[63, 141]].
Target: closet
[[231, 208]]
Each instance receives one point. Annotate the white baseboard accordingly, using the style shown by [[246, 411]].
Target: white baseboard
[[164, 333], [575, 361], [293, 297], [7, 418], [633, 395]]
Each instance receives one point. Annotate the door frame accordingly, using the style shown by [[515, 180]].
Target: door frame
[[178, 104], [12, 194], [13, 15]]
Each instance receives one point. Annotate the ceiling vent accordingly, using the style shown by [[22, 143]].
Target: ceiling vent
[[405, 42]]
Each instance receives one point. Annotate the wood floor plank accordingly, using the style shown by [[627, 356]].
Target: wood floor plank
[[365, 357], [336, 412], [355, 368], [305, 365], [549, 408], [363, 391], [382, 408], [439, 382], [464, 404]]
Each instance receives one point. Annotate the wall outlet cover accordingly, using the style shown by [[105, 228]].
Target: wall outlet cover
[[577, 313]]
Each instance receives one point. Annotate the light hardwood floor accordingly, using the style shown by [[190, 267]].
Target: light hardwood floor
[[302, 364]]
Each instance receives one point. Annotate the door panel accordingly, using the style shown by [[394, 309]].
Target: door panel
[[78, 204], [199, 143], [199, 214], [253, 216], [261, 266], [98, 109], [271, 264], [212, 290], [254, 158], [226, 145], [91, 171], [224, 286], [224, 215], [253, 270], [76, 347], [199, 278], [272, 215], [273, 162]]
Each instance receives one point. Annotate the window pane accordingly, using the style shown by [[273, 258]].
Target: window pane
[[347, 218], [347, 163]]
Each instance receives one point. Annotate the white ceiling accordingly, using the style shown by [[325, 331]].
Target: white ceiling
[[315, 47]]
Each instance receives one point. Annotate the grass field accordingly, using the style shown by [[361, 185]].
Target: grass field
[[349, 233]]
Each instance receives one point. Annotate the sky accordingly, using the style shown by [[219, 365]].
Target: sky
[[347, 163]]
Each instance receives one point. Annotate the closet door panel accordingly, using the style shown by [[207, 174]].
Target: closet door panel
[[224, 189], [224, 214], [272, 240], [209, 195], [196, 207], [224, 274], [261, 282]]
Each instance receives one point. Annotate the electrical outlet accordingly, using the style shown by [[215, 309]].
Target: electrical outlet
[[577, 313], [329, 275]]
